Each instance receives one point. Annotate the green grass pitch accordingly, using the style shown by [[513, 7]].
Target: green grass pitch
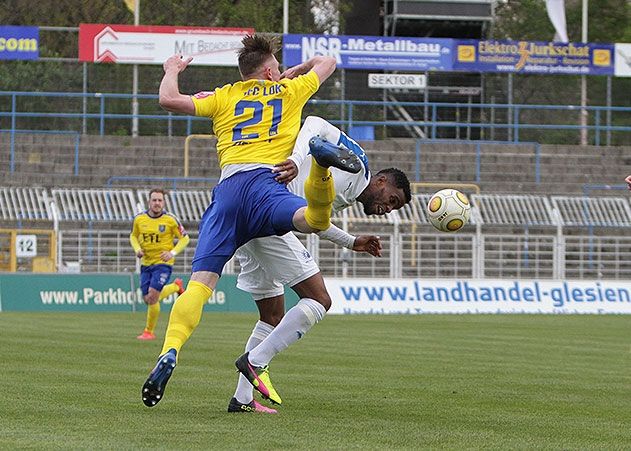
[[72, 381]]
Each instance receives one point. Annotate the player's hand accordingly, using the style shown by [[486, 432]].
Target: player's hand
[[287, 171], [370, 244], [293, 72], [165, 256], [176, 63], [288, 74], [628, 180], [140, 253]]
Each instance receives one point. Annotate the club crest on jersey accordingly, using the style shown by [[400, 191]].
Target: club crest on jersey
[[203, 94], [162, 228], [306, 255]]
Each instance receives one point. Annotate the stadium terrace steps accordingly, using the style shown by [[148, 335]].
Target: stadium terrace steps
[[49, 160]]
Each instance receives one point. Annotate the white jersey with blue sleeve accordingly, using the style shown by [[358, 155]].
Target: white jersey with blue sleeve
[[270, 263], [347, 186]]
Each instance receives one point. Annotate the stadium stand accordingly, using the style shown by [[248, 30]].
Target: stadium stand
[[508, 235], [49, 160]]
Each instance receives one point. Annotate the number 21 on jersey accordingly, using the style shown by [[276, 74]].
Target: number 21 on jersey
[[243, 107]]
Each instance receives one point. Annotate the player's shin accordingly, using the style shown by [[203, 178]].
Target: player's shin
[[319, 192], [153, 312], [261, 330], [296, 322], [185, 315], [168, 290]]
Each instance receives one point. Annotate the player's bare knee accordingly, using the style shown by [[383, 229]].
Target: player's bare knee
[[325, 300], [272, 319], [150, 300]]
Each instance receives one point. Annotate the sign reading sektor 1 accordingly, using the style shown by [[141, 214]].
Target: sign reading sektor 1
[[397, 81]]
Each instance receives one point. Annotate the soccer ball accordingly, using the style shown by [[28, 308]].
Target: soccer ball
[[448, 210]]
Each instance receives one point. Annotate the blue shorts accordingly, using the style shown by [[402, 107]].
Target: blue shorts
[[244, 206], [154, 276]]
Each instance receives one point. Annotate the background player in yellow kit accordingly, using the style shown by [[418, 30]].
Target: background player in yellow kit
[[153, 234], [256, 121]]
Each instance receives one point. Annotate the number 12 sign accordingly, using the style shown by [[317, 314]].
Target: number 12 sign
[[25, 245]]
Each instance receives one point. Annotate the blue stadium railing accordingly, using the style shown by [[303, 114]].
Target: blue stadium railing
[[514, 120]]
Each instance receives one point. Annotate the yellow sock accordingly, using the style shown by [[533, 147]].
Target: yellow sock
[[153, 312], [185, 315], [168, 290], [319, 192]]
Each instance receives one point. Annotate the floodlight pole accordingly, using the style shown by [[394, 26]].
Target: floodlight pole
[[584, 80], [134, 100]]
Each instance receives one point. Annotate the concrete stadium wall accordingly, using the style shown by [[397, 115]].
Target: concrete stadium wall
[[50, 161]]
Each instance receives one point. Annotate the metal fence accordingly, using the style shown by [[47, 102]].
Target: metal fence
[[421, 255], [109, 113]]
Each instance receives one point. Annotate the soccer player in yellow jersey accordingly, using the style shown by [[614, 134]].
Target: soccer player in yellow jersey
[[153, 234], [256, 121]]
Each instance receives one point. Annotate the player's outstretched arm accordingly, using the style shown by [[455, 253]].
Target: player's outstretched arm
[[323, 66], [170, 97], [363, 243]]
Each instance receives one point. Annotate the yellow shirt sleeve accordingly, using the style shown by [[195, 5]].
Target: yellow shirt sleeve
[[133, 237], [205, 103]]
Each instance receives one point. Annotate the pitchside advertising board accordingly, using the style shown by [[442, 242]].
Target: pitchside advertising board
[[106, 293], [129, 44], [111, 292], [417, 296]]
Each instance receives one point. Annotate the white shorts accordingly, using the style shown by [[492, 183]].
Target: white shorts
[[270, 263]]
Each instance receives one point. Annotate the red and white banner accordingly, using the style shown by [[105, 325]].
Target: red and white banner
[[148, 44]]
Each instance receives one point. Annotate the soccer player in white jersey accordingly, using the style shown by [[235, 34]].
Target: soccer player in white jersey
[[267, 264], [256, 121]]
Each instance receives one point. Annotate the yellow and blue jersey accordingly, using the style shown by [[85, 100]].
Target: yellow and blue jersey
[[256, 121], [156, 235]]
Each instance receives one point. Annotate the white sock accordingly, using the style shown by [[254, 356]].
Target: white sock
[[296, 322], [244, 391]]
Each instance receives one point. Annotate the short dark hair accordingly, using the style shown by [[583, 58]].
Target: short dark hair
[[255, 51], [158, 190], [399, 179]]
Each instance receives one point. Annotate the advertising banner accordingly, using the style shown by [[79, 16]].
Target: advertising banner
[[415, 296], [106, 293], [120, 292], [623, 60], [129, 44], [371, 52], [529, 57], [19, 43]]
